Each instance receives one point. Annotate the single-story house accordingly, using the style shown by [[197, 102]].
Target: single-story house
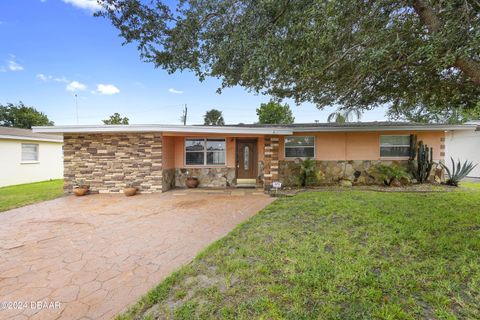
[[464, 145], [159, 157], [27, 157]]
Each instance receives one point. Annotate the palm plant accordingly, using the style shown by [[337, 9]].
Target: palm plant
[[344, 115], [459, 171], [307, 171], [213, 117]]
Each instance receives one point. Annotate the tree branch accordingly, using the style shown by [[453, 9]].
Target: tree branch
[[428, 17]]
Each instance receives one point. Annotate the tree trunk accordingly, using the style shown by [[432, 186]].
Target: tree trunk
[[469, 66]]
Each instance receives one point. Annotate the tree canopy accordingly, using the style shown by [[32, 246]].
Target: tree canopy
[[275, 113], [354, 54], [22, 116], [213, 117], [116, 118]]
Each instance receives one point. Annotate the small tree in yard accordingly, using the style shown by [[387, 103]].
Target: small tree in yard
[[22, 116], [116, 118], [213, 117], [275, 113]]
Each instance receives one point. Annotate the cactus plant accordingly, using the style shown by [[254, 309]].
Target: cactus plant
[[421, 168], [413, 147]]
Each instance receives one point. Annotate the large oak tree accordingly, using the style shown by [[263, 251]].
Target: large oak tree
[[357, 54]]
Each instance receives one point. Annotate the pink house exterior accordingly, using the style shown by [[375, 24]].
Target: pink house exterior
[[156, 158]]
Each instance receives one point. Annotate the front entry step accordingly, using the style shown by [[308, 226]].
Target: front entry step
[[246, 183]]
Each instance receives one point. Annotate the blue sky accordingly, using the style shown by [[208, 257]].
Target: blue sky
[[51, 50]]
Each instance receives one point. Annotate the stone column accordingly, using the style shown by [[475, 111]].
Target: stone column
[[270, 169]]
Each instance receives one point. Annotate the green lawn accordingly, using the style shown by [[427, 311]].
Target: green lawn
[[23, 194], [336, 255]]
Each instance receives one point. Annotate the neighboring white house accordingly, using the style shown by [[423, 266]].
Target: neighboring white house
[[29, 157], [464, 145]]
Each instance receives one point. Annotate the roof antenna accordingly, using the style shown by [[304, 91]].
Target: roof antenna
[[76, 105]]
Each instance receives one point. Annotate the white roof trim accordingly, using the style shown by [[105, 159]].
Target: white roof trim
[[161, 128], [387, 128], [11, 137], [241, 130]]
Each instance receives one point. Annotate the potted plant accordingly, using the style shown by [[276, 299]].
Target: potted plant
[[130, 190], [191, 181], [80, 188]]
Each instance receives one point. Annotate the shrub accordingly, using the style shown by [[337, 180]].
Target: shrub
[[459, 171], [308, 172], [391, 173]]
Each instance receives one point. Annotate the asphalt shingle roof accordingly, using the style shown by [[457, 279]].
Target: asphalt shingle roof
[[26, 133]]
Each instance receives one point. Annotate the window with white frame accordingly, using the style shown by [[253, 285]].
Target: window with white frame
[[200, 152], [300, 147], [395, 146], [29, 152]]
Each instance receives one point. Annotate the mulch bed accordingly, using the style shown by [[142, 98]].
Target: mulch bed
[[414, 188]]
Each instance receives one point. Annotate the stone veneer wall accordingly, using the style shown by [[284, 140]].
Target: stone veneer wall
[[107, 162], [360, 172], [271, 164], [209, 177], [168, 177]]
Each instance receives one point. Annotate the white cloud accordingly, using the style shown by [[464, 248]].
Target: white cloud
[[13, 65], [91, 5], [107, 89], [46, 78], [43, 77], [175, 91], [75, 86], [61, 79]]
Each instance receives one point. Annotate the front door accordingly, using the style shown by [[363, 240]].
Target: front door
[[246, 159]]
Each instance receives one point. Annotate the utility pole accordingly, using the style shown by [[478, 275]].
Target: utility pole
[[185, 111], [76, 105]]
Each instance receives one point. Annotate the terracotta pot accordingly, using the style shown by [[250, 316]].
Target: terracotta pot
[[80, 191], [131, 191], [192, 182]]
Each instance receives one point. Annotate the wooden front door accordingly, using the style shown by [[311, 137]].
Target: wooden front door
[[246, 159]]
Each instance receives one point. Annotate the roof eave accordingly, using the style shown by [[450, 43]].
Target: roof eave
[[11, 137], [160, 128], [386, 128]]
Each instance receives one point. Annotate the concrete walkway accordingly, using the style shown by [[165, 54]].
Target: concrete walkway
[[91, 257]]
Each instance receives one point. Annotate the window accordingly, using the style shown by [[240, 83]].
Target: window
[[394, 146], [199, 152], [300, 147], [29, 152]]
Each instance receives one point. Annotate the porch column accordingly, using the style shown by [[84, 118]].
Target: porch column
[[270, 169]]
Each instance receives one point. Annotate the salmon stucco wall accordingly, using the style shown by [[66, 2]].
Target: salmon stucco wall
[[168, 153], [362, 145], [168, 163]]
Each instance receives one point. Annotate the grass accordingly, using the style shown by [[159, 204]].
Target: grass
[[23, 194], [335, 255]]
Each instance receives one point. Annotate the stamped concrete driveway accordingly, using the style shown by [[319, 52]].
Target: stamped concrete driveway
[[91, 257]]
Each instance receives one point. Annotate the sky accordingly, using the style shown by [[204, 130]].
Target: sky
[[52, 50]]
